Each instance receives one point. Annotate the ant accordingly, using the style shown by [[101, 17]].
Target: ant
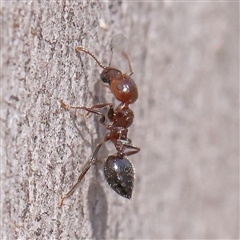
[[118, 170]]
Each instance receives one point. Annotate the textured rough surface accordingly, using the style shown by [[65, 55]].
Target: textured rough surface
[[185, 58]]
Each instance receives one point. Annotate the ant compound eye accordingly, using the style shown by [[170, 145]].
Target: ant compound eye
[[119, 173], [105, 76]]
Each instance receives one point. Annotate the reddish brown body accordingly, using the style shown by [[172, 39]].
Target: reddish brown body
[[118, 170]]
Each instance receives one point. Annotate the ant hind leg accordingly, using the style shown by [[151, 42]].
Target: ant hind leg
[[131, 152], [83, 172]]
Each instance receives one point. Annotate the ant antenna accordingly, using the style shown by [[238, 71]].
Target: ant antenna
[[81, 49], [129, 63]]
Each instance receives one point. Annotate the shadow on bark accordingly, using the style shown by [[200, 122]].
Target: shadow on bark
[[98, 209]]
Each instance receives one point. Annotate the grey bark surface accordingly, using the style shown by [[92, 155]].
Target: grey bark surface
[[186, 65]]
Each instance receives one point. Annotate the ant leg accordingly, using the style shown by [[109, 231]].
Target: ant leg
[[129, 63], [103, 105], [131, 152], [110, 113], [91, 110], [81, 49], [83, 172]]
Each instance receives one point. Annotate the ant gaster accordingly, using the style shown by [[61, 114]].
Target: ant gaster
[[118, 170]]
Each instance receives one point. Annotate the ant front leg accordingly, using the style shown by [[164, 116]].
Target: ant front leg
[[92, 110], [83, 172], [103, 105]]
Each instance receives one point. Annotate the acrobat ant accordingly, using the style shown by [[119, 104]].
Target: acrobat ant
[[118, 170]]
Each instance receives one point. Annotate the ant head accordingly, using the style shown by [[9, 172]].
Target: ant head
[[109, 74], [122, 86]]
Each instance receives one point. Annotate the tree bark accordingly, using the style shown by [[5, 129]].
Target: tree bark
[[186, 65]]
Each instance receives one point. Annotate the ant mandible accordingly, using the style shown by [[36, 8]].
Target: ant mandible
[[118, 170]]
